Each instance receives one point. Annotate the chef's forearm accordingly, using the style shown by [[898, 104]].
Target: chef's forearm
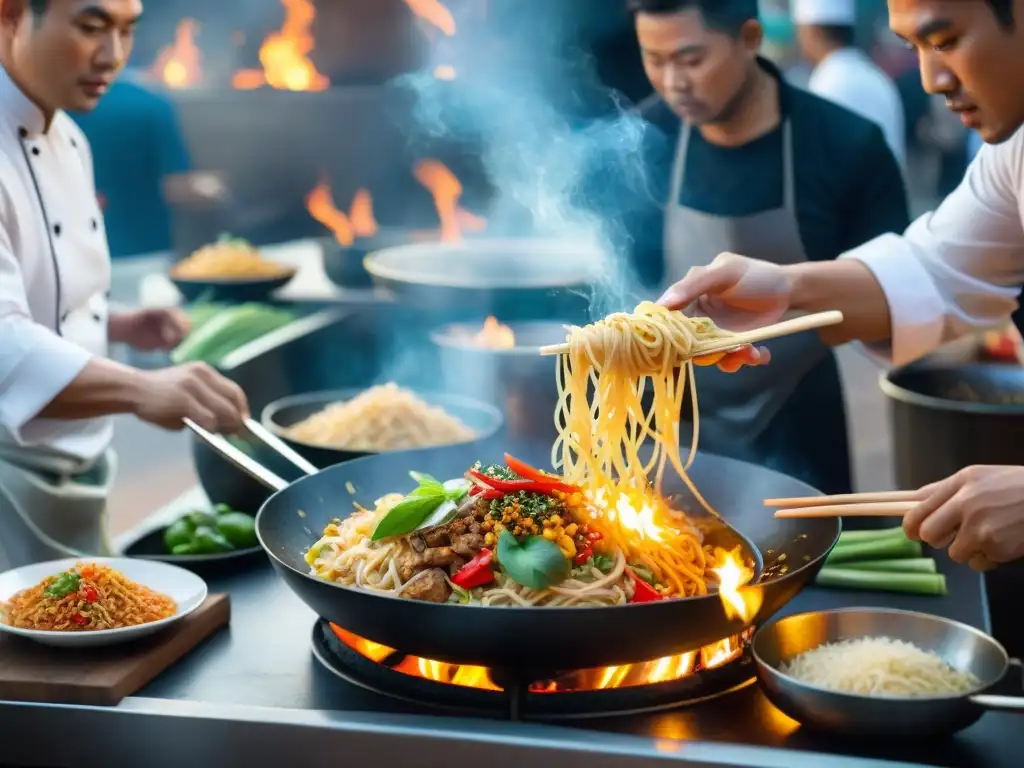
[[103, 388], [848, 286]]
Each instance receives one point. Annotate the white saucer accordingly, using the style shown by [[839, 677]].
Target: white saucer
[[184, 587]]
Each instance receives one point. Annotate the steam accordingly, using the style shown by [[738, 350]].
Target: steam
[[552, 169]]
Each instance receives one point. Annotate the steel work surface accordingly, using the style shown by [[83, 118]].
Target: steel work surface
[[255, 695]]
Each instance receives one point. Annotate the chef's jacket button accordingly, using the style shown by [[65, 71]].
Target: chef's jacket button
[[95, 224], [97, 317], [23, 132], [64, 318], [74, 144], [35, 151], [56, 229]]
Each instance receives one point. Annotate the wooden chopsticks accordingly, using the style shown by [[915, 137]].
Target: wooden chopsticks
[[735, 340], [889, 504]]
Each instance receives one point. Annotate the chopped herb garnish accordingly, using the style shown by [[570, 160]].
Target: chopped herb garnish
[[64, 584]]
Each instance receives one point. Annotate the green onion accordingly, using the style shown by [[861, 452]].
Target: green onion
[[890, 548], [853, 537], [228, 330], [909, 565], [912, 583]]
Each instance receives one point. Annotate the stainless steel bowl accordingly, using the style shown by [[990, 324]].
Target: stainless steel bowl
[[959, 645], [519, 381]]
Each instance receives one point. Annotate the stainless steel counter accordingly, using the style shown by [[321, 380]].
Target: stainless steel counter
[[254, 695]]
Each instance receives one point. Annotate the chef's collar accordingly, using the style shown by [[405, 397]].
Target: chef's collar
[[784, 85], [21, 113]]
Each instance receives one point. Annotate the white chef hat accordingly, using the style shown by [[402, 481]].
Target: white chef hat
[[837, 12]]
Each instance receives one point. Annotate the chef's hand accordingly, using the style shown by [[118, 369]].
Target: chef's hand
[[150, 329], [193, 391], [737, 293], [978, 513]]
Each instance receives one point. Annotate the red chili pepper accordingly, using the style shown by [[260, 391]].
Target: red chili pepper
[[79, 619], [642, 591], [594, 536], [491, 493], [476, 572], [583, 555], [90, 594], [524, 470]]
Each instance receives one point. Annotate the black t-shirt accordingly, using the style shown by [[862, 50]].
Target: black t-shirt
[[849, 188]]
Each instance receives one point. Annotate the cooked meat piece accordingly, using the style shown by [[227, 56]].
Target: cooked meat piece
[[439, 556], [455, 565], [409, 561], [439, 537], [468, 544], [418, 543], [474, 527], [458, 526], [430, 586]]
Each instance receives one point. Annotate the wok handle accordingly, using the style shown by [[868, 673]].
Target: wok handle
[[279, 445], [999, 703], [246, 463]]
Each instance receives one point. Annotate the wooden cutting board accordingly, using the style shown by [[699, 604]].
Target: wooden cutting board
[[102, 676]]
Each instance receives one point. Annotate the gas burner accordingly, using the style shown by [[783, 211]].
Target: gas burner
[[667, 683]]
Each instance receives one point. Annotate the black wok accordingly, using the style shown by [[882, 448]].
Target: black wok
[[549, 638]]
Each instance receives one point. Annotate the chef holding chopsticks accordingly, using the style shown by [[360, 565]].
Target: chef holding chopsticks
[[956, 271], [57, 389], [757, 165]]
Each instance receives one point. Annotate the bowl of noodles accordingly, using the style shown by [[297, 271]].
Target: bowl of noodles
[[94, 602], [230, 270], [339, 425]]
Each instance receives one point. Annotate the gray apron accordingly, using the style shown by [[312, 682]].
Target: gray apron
[[736, 410], [46, 515]]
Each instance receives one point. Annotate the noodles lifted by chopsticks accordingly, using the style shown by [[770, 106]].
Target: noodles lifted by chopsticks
[[383, 418], [90, 596], [602, 425]]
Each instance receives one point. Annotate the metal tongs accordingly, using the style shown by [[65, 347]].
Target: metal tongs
[[249, 465]]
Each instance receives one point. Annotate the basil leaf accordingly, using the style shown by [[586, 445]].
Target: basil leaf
[[603, 563], [457, 489], [536, 563], [443, 515], [426, 481], [406, 515]]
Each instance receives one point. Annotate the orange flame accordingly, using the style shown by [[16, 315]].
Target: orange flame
[[359, 222], [434, 13], [740, 602], [661, 670], [285, 54], [446, 190], [179, 65], [444, 72], [495, 335]]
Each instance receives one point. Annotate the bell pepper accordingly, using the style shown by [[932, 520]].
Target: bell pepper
[[79, 619], [642, 591], [476, 572], [527, 472], [583, 555], [90, 594]]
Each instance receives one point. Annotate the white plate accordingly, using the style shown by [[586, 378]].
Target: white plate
[[184, 587]]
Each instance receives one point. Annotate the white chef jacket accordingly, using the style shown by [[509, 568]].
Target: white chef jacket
[[960, 269], [849, 78], [54, 279]]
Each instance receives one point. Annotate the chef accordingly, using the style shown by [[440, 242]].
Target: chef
[[845, 74], [954, 272], [755, 165], [57, 389]]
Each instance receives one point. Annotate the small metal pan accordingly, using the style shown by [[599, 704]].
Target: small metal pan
[[961, 646]]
